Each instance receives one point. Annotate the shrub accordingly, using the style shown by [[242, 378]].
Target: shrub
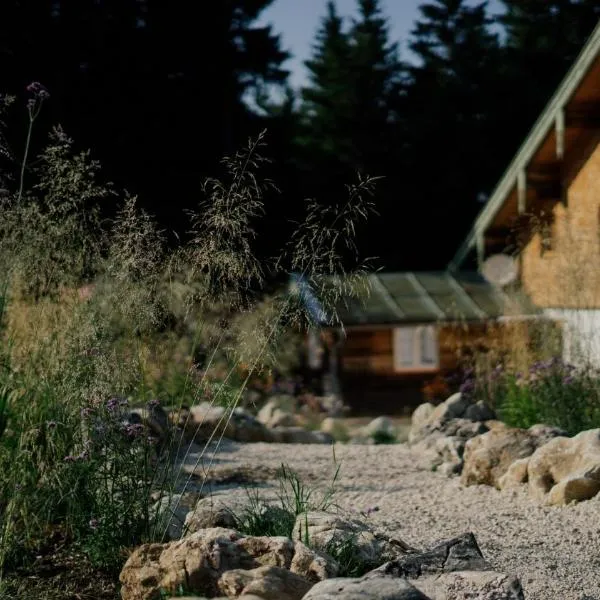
[[554, 393], [551, 392]]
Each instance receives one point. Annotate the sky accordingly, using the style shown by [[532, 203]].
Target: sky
[[298, 20]]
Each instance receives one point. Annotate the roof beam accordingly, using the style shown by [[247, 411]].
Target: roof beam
[[559, 129], [427, 299], [522, 190], [465, 297], [386, 296]]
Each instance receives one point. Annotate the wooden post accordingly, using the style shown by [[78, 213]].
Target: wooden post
[[479, 241], [522, 191], [560, 134]]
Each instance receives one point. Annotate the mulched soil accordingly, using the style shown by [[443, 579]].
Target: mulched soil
[[59, 571]]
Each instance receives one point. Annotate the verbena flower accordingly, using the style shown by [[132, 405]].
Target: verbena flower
[[38, 90], [133, 430], [113, 404], [467, 387]]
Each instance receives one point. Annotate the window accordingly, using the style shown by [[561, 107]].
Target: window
[[415, 348]]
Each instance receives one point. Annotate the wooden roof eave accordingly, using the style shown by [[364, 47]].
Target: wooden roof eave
[[552, 116]]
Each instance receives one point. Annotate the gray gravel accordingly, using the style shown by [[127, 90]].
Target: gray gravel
[[554, 551]]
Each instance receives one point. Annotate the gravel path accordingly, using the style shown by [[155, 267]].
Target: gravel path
[[554, 551]]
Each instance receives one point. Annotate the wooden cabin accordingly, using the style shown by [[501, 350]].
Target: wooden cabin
[[405, 338], [545, 211]]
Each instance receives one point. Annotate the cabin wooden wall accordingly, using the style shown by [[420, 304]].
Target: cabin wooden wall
[[369, 383], [563, 270]]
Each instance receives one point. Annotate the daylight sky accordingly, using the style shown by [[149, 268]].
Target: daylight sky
[[298, 20]]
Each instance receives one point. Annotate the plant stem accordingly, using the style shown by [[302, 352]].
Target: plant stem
[[25, 155]]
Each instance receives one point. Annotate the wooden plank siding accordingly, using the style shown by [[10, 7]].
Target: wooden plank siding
[[368, 381]]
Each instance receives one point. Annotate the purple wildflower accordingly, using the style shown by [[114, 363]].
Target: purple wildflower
[[369, 511], [153, 403], [94, 524], [112, 404], [467, 387], [38, 90], [133, 430]]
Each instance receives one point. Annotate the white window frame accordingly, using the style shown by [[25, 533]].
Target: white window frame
[[423, 343]]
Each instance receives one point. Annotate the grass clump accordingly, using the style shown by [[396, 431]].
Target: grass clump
[[294, 498], [345, 553]]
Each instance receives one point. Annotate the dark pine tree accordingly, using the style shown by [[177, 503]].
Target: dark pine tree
[[543, 40], [451, 106], [157, 91], [349, 118]]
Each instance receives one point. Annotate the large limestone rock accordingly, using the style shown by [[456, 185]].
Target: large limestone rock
[[515, 475], [566, 469], [461, 553], [443, 449], [202, 420], [278, 411], [198, 561], [453, 570], [467, 585], [268, 583], [438, 434], [374, 588], [299, 435], [170, 513], [489, 456], [216, 510], [380, 426], [324, 529]]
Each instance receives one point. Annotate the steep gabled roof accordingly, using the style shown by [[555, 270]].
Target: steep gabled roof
[[551, 121]]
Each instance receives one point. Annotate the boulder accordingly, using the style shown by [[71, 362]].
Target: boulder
[[279, 402], [374, 588], [198, 561], [278, 411], [566, 469], [299, 435], [380, 426], [202, 420], [216, 510], [452, 570], [479, 411], [461, 553], [467, 585], [443, 449], [515, 475], [419, 418], [170, 513], [268, 583], [487, 457], [282, 418], [154, 417], [335, 427], [439, 434], [372, 547]]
